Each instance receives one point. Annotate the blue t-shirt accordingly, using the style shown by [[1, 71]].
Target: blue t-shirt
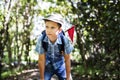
[[53, 55]]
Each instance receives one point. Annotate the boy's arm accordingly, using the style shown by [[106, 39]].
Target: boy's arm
[[41, 65], [67, 65]]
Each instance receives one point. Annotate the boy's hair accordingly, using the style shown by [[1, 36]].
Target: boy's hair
[[60, 46]]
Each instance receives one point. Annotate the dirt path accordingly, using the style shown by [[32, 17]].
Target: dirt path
[[32, 74]]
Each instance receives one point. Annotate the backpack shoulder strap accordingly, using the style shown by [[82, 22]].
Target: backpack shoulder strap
[[61, 46], [44, 44]]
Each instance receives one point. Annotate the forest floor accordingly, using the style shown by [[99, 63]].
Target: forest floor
[[33, 74]]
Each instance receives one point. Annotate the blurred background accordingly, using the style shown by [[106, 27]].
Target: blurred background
[[96, 40]]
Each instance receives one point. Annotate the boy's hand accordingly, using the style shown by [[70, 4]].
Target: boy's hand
[[67, 78]]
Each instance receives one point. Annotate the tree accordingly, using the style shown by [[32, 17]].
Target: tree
[[16, 19], [98, 27]]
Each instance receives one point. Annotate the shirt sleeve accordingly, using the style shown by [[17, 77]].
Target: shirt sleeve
[[39, 49], [68, 46]]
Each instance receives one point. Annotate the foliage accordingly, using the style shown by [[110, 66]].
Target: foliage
[[98, 29], [16, 24]]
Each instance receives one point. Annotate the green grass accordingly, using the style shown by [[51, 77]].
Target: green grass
[[81, 70], [11, 72], [6, 74]]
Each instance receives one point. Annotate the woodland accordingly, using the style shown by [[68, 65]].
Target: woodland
[[96, 54]]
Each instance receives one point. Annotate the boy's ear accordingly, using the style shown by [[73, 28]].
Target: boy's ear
[[60, 29]]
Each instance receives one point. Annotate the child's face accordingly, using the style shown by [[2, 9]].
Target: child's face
[[52, 30]]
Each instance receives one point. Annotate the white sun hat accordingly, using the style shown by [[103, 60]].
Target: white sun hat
[[55, 18]]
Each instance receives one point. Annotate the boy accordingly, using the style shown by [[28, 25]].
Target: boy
[[52, 60]]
